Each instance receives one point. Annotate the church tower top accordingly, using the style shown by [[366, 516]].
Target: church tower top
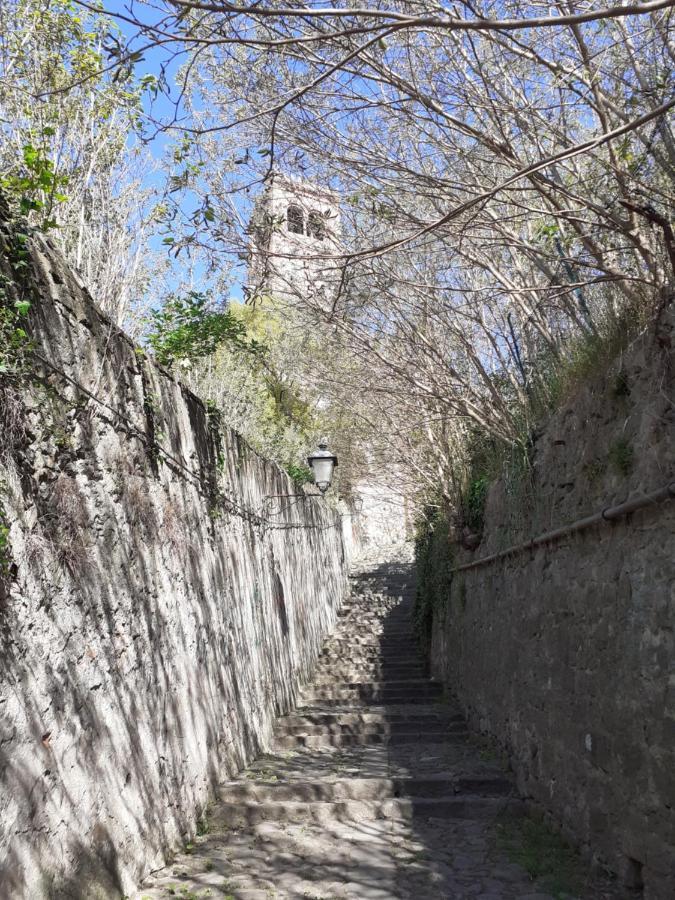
[[295, 227]]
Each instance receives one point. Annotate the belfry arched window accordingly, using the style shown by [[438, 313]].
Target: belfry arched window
[[316, 226], [295, 219]]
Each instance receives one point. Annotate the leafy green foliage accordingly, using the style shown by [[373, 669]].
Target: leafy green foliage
[[300, 474], [190, 328], [585, 358], [475, 502], [14, 308], [70, 157], [4, 543], [435, 561], [36, 187], [258, 394], [585, 361], [14, 340]]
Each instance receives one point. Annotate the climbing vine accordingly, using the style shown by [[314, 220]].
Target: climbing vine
[[435, 560], [15, 305], [5, 559]]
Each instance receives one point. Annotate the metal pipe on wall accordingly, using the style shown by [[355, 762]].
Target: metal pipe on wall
[[609, 514]]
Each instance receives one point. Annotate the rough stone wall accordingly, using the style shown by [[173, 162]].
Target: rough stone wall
[[566, 654], [156, 611]]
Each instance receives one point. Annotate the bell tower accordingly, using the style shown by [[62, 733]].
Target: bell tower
[[295, 229]]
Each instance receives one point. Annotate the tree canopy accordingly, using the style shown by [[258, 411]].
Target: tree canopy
[[505, 171]]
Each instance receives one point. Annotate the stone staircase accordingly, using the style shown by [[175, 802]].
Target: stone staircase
[[372, 789]]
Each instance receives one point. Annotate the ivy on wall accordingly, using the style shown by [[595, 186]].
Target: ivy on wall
[[435, 560], [14, 303]]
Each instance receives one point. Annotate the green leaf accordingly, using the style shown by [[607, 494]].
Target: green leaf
[[22, 307]]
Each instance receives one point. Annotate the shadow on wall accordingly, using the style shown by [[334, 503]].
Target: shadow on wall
[[564, 653], [154, 624]]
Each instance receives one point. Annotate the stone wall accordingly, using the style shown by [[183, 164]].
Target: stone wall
[[158, 605], [382, 517], [565, 655]]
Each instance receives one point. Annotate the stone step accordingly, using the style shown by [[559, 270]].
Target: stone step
[[371, 640], [385, 620], [244, 815], [363, 789], [372, 690], [409, 726], [384, 623], [365, 665], [387, 656], [375, 645], [351, 702], [395, 610], [368, 673], [407, 652], [368, 739], [371, 651], [400, 610], [418, 717], [365, 636], [360, 703], [388, 621], [379, 641], [325, 666], [378, 648], [393, 617], [408, 661], [364, 662], [412, 690], [388, 683], [401, 710]]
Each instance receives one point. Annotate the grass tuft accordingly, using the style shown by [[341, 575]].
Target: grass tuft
[[546, 857]]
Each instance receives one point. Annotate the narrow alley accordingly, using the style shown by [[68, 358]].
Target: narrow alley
[[373, 789]]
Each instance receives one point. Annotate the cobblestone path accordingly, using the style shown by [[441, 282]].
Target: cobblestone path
[[373, 790]]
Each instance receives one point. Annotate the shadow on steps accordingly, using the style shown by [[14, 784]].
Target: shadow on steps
[[373, 789]]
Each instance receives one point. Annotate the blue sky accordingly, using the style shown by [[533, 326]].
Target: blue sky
[[161, 107]]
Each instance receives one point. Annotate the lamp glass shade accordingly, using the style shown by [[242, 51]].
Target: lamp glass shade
[[322, 462], [323, 472]]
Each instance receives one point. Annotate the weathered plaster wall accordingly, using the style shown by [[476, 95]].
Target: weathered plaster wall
[[382, 518], [566, 655], [156, 612]]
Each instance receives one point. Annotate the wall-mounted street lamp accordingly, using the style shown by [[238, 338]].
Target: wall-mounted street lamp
[[322, 462]]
